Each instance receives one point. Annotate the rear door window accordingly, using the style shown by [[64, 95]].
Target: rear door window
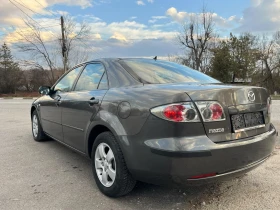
[[90, 77]]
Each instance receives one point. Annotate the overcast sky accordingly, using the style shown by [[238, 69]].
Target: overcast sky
[[123, 28]]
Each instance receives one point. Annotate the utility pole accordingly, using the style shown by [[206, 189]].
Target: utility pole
[[63, 45]]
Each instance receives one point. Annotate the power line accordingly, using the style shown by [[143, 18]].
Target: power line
[[28, 15], [22, 4], [24, 12], [88, 46], [38, 13], [50, 26], [5, 34], [43, 27], [46, 9], [24, 40]]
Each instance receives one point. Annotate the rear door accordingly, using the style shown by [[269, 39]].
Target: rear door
[[82, 103], [50, 105]]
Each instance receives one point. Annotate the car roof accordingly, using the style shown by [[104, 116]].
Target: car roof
[[105, 60], [119, 77], [117, 74]]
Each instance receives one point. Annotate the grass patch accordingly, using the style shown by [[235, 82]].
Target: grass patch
[[20, 94], [277, 97]]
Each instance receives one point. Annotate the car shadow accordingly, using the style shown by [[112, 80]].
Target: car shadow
[[143, 196], [192, 197]]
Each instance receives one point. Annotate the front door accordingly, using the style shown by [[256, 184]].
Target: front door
[[50, 105], [51, 114], [82, 104]]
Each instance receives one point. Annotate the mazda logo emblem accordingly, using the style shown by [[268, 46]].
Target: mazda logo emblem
[[251, 96]]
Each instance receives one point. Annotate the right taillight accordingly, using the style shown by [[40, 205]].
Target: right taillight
[[211, 111], [268, 105]]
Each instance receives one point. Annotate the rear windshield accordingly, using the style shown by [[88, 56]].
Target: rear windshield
[[158, 72]]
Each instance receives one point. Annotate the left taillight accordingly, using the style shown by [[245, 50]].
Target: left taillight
[[179, 112], [211, 111]]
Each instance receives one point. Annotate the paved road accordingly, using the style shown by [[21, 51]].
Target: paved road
[[49, 176]]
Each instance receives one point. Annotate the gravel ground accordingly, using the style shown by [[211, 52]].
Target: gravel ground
[[49, 176]]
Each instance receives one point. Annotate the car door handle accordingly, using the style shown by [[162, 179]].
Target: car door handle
[[57, 100], [93, 101]]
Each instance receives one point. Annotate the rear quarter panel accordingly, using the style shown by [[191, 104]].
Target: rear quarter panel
[[138, 100]]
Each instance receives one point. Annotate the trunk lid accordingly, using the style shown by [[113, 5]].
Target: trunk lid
[[236, 100], [229, 95]]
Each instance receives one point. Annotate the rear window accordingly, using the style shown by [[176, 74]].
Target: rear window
[[158, 72]]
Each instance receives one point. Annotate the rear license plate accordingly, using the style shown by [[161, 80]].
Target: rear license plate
[[248, 121]]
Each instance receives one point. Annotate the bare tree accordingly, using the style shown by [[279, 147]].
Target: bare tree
[[36, 47], [196, 37], [269, 56], [44, 53], [75, 36], [177, 59], [25, 81]]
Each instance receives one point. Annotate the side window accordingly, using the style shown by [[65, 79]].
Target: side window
[[90, 77], [66, 83], [103, 85]]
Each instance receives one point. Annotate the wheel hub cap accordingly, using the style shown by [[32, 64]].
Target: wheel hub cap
[[105, 164], [35, 126]]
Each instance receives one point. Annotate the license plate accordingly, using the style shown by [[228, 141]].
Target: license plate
[[248, 121]]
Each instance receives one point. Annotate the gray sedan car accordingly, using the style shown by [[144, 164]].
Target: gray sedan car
[[155, 121]]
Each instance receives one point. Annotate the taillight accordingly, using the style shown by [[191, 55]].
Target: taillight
[[203, 176], [174, 112], [268, 105], [187, 112], [179, 112], [211, 111]]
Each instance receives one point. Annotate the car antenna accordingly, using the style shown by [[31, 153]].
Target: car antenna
[[155, 58]]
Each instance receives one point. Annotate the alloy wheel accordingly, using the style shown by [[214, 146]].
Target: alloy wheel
[[105, 164], [35, 126]]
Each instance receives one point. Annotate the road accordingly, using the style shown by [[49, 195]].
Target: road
[[50, 176]]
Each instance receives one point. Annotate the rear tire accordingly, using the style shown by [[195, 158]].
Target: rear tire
[[110, 171], [37, 131]]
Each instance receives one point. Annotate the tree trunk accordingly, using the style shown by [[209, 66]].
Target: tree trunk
[[233, 78]]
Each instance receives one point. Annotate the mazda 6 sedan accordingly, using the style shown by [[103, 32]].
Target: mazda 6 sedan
[[155, 121]]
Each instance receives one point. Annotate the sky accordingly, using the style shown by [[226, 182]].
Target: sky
[[136, 28]]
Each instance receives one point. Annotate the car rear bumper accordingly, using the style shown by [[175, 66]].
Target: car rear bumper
[[223, 176], [177, 160]]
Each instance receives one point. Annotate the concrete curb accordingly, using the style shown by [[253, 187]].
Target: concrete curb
[[19, 98]]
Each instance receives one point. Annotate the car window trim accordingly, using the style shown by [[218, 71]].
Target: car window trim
[[78, 77], [66, 73], [106, 72], [101, 80]]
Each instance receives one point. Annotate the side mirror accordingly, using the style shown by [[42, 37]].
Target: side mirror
[[44, 90]]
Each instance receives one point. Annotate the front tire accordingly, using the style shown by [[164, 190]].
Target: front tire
[[109, 168], [37, 131]]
